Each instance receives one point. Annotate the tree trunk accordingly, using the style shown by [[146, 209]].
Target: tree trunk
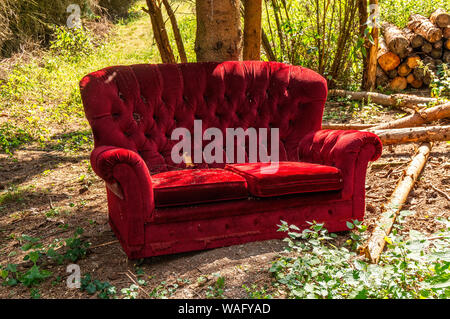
[[414, 39], [422, 26], [424, 116], [394, 100], [219, 35], [372, 55], [176, 32], [395, 39], [267, 47], [252, 29], [415, 134], [440, 18], [363, 17], [377, 240], [160, 33], [386, 59]]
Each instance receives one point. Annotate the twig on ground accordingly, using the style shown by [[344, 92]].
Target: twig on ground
[[440, 191]]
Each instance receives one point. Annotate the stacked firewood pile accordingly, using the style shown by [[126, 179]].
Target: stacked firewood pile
[[411, 55]]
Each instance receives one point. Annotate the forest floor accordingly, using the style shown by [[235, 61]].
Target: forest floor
[[55, 193], [48, 190]]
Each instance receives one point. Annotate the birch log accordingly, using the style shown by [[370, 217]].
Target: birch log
[[418, 118], [424, 27], [394, 100], [377, 240], [413, 134]]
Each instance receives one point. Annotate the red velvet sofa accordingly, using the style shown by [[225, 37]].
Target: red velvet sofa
[[159, 207]]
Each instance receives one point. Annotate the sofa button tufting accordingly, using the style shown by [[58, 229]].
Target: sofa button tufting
[[121, 96]]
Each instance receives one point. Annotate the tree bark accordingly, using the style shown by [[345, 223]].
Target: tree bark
[[414, 39], [422, 26], [395, 39], [252, 29], [363, 17], [386, 59], [423, 116], [176, 32], [415, 134], [372, 55], [267, 47], [377, 240], [219, 35], [394, 100], [440, 18], [159, 31]]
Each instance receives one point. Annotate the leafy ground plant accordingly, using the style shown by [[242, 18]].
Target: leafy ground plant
[[40, 256], [314, 267]]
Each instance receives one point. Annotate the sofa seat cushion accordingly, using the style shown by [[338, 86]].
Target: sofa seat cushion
[[289, 178], [196, 186]]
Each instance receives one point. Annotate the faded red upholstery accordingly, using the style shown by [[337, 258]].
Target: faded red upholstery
[[196, 186], [291, 178], [134, 109]]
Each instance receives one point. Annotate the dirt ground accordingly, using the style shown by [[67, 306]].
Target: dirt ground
[[57, 193]]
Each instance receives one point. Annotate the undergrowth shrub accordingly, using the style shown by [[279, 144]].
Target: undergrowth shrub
[[71, 44], [12, 137], [38, 257], [416, 266]]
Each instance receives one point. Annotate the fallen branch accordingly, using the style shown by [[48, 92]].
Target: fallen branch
[[377, 241], [416, 134], [395, 100], [338, 126], [382, 164], [418, 118]]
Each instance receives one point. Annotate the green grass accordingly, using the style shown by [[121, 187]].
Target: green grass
[[41, 96]]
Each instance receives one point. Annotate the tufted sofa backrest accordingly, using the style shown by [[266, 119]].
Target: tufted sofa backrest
[[137, 107]]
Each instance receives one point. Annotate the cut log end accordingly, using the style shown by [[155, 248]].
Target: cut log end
[[398, 83], [440, 18]]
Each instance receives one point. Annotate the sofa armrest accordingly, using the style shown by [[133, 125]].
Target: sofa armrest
[[130, 192], [350, 151]]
